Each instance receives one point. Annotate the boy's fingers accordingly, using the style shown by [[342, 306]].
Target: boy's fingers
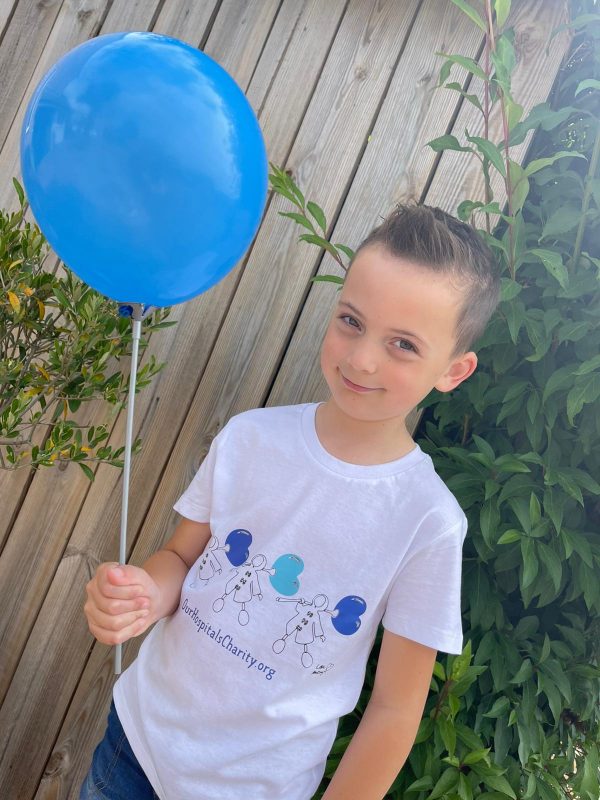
[[115, 623], [108, 590], [118, 637], [125, 575], [115, 606]]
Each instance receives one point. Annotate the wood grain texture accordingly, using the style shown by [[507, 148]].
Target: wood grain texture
[[22, 44], [7, 9], [186, 19], [76, 21]]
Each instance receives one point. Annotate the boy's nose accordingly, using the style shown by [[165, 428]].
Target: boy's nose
[[362, 357]]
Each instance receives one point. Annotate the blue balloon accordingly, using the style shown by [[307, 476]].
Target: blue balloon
[[144, 166]]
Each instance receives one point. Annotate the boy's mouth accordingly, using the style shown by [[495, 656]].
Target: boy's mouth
[[355, 386]]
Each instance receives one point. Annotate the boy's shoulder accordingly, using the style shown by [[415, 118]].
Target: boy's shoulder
[[275, 421]]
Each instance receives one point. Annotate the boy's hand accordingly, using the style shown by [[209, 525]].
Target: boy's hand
[[121, 602]]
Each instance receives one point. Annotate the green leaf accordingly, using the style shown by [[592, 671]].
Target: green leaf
[[500, 707], [471, 13], [530, 562], [514, 112], [540, 163], [19, 191], [500, 783], [420, 785], [559, 379], [490, 151], [510, 289], [448, 734], [467, 63], [552, 563], [588, 83], [484, 447], [328, 279], [318, 214], [87, 471], [554, 264], [588, 366], [519, 183], [562, 221], [447, 142], [586, 390], [502, 9], [299, 218], [471, 98], [510, 463], [448, 780], [524, 672], [514, 313], [509, 537], [476, 756], [347, 251], [425, 730]]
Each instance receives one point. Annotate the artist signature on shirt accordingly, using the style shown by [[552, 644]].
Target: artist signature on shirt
[[321, 669]]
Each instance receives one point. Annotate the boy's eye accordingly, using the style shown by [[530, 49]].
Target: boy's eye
[[349, 320], [404, 344]]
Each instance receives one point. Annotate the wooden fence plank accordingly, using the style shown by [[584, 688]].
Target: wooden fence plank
[[185, 19], [94, 516], [7, 8], [22, 45]]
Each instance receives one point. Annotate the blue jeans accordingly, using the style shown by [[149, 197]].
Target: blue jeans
[[115, 773]]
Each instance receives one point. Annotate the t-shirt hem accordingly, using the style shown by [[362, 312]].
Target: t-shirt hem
[[189, 512], [436, 639], [139, 751]]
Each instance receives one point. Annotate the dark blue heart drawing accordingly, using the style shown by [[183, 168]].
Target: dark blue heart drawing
[[347, 617], [237, 546]]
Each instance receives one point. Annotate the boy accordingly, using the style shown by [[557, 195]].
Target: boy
[[304, 527]]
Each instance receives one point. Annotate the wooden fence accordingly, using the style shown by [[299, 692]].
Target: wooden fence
[[345, 91]]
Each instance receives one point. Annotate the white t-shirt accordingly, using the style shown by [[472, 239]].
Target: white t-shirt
[[238, 694]]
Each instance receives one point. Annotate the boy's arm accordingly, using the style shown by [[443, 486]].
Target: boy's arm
[[389, 725], [123, 601]]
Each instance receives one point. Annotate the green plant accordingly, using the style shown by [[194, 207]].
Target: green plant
[[518, 713], [61, 344]]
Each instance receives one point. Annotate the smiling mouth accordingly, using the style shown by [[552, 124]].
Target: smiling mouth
[[355, 387]]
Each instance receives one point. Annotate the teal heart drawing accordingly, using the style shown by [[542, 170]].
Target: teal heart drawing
[[285, 574]]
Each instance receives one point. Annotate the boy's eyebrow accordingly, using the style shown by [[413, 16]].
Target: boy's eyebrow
[[392, 330]]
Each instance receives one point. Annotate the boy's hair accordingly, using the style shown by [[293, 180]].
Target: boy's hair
[[431, 238]]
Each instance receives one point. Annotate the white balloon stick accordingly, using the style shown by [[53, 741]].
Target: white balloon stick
[[136, 320]]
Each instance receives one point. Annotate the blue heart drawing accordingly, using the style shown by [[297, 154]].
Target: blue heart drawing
[[287, 568], [237, 546], [347, 619]]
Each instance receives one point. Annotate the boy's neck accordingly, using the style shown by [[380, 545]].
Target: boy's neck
[[361, 442]]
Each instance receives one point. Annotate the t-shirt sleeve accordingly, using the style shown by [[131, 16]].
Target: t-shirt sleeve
[[196, 502], [424, 602]]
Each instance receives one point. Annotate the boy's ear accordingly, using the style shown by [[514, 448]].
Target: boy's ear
[[458, 371]]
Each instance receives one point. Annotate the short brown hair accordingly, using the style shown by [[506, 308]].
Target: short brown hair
[[431, 238]]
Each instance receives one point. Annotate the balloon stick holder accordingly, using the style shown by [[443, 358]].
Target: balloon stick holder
[[137, 312]]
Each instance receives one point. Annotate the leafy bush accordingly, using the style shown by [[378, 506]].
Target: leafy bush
[[61, 344], [518, 713]]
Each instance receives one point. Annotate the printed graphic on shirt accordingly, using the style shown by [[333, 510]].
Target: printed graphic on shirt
[[244, 586], [306, 625]]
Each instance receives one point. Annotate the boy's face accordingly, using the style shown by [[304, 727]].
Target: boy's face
[[391, 338]]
